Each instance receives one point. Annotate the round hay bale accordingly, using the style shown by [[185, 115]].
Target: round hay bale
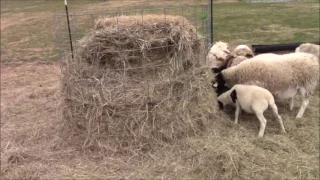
[[136, 84], [130, 41]]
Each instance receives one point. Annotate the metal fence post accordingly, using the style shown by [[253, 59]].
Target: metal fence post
[[211, 21], [66, 5]]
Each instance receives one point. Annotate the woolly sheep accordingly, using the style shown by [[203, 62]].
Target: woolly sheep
[[220, 56], [251, 99], [218, 53], [309, 48], [238, 60], [239, 54], [235, 60], [283, 75], [243, 50]]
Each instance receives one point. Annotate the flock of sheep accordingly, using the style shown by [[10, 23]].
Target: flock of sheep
[[252, 83]]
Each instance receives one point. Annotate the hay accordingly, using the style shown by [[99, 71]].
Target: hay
[[138, 84], [132, 41]]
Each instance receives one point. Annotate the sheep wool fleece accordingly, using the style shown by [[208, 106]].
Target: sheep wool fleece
[[276, 72]]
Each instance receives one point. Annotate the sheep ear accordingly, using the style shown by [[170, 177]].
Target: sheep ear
[[249, 55], [233, 96]]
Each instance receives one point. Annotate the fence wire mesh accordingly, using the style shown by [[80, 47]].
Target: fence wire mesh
[[152, 68], [81, 21]]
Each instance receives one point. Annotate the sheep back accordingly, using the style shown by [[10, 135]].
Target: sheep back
[[276, 73], [309, 48]]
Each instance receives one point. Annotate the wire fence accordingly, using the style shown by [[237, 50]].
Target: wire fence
[[82, 21], [256, 22]]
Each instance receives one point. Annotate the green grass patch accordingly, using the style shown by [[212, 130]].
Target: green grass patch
[[264, 23]]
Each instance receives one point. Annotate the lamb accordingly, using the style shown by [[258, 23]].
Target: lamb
[[309, 48], [283, 75], [251, 99], [220, 56]]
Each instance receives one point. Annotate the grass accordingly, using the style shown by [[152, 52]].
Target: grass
[[33, 146], [32, 37], [256, 23]]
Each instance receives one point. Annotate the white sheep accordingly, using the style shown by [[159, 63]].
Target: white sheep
[[309, 48], [219, 52], [251, 99], [283, 75], [243, 50], [239, 59], [239, 54], [220, 56], [233, 61]]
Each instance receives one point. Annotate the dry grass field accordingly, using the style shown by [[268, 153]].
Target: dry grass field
[[34, 145]]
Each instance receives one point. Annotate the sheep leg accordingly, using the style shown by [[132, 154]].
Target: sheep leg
[[275, 112], [237, 113], [291, 104], [305, 102], [263, 123]]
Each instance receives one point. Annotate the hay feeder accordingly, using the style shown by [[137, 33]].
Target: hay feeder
[[137, 82]]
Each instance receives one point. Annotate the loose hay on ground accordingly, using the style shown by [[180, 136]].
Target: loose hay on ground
[[137, 83]]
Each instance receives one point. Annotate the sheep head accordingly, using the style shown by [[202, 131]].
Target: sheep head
[[221, 88], [227, 98], [218, 56], [243, 50]]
